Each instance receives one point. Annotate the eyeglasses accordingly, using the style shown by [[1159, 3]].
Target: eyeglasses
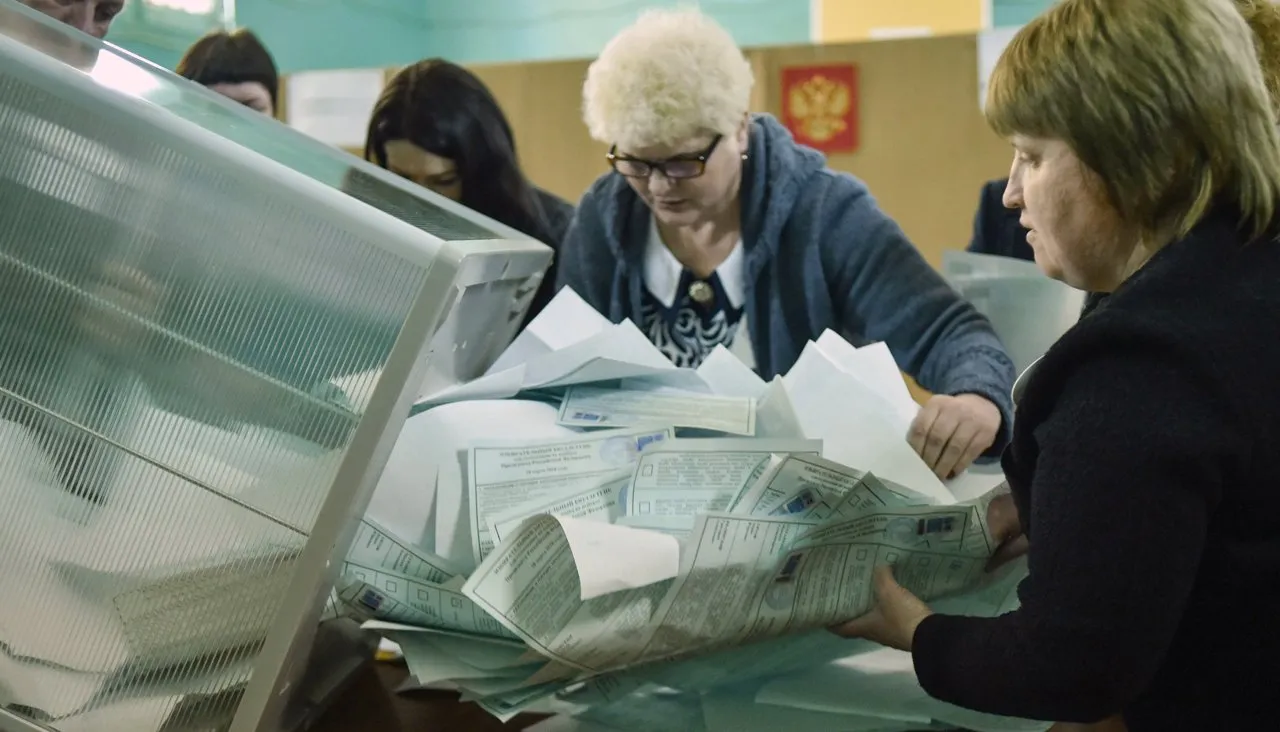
[[679, 167]]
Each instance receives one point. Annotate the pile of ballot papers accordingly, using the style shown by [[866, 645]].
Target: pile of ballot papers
[[589, 532]]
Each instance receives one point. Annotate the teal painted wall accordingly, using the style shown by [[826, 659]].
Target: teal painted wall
[[160, 35], [1016, 12], [336, 34]]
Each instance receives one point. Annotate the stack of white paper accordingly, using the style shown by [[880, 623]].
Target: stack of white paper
[[589, 530]]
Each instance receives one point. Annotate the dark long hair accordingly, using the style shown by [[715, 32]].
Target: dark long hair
[[445, 110], [220, 57]]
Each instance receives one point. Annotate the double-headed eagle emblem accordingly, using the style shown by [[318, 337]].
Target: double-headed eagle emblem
[[818, 107]]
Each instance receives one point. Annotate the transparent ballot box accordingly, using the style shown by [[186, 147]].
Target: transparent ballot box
[[212, 330], [1029, 311]]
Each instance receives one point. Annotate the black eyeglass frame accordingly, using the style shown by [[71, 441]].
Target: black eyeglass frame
[[699, 161]]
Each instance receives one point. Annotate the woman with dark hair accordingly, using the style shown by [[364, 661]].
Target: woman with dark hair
[[236, 65], [437, 125]]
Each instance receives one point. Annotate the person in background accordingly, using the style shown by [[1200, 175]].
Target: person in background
[[437, 125], [996, 229], [1141, 466], [715, 220], [236, 65], [87, 16]]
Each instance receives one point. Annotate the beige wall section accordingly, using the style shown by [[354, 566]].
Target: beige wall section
[[845, 21], [543, 101], [924, 148]]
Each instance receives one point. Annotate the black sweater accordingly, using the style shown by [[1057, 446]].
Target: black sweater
[[1146, 468]]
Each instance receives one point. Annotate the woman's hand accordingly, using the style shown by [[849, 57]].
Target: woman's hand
[[893, 620], [1006, 528], [950, 432]]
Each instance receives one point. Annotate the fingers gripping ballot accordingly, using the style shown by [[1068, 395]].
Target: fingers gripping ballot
[[893, 620], [950, 432]]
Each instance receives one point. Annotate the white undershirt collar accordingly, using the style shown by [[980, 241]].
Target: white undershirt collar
[[662, 270]]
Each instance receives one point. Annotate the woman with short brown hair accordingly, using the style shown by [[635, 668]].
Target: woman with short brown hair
[[1142, 468]]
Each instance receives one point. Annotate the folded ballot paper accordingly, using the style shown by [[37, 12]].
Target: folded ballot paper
[[589, 531]]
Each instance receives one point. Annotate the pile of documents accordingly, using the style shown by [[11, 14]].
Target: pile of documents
[[590, 532]]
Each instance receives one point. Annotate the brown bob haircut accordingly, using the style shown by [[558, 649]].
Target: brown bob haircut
[[235, 57], [1164, 100]]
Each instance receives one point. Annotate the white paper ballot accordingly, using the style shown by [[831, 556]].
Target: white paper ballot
[[616, 558], [880, 683], [619, 351], [502, 475], [593, 503], [676, 526], [566, 320], [776, 415], [873, 365], [635, 405], [427, 606], [726, 374], [606, 558], [691, 476], [377, 548], [846, 415], [503, 644], [405, 498], [445, 434]]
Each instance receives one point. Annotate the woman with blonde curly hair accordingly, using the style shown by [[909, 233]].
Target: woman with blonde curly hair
[[1142, 468], [715, 220]]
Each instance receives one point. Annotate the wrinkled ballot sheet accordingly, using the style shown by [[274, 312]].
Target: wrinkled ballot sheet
[[590, 532], [742, 578]]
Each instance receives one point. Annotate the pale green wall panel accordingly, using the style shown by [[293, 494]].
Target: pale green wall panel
[[333, 34]]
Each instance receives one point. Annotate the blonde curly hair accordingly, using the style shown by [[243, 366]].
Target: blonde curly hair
[[670, 77]]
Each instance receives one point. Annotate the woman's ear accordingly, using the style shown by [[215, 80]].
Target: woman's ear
[[743, 134]]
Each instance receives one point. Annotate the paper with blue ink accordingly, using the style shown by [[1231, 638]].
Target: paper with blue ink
[[685, 477], [503, 475]]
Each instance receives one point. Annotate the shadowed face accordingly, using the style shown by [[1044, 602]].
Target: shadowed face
[[429, 170], [1076, 234], [688, 183], [251, 94], [89, 16]]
